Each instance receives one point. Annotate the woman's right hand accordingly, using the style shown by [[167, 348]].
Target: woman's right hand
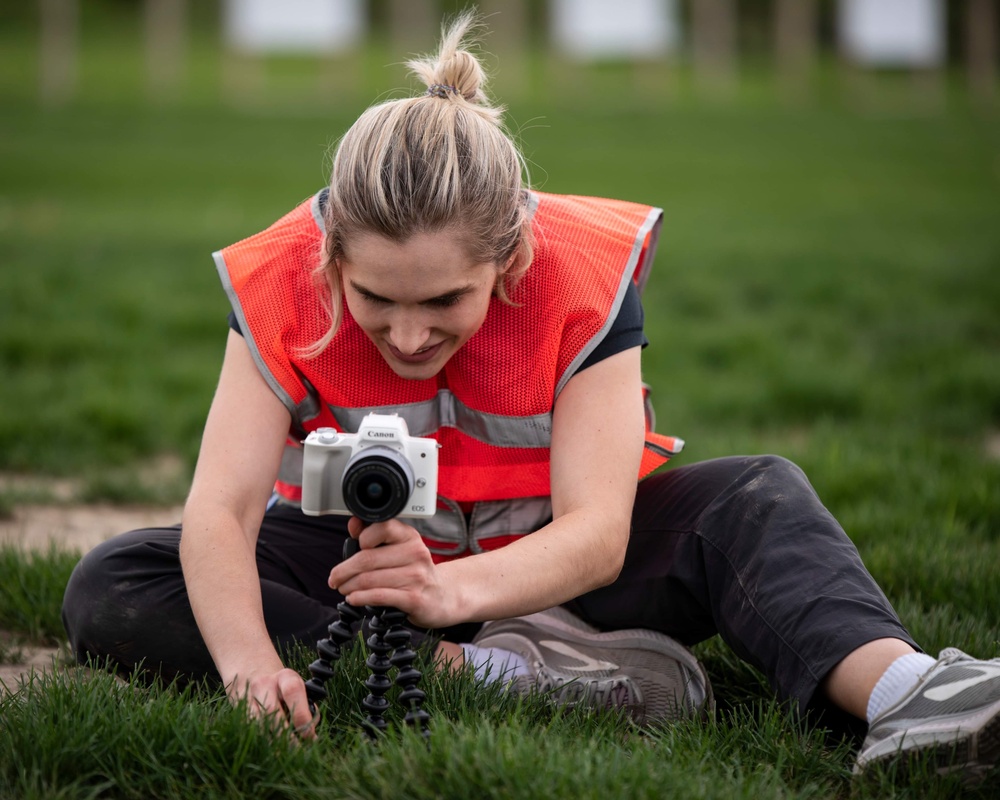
[[278, 696]]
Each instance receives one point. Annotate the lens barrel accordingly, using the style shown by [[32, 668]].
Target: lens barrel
[[377, 483]]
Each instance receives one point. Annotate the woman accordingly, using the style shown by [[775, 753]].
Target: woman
[[426, 281]]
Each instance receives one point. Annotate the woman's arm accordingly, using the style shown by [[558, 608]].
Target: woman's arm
[[597, 439], [237, 465]]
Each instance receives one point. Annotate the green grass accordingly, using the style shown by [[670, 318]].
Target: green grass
[[827, 288], [31, 590], [78, 734]]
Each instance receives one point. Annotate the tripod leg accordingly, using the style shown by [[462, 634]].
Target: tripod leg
[[378, 682], [341, 636], [407, 677]]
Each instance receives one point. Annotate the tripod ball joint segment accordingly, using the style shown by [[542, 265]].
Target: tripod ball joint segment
[[341, 637], [388, 647]]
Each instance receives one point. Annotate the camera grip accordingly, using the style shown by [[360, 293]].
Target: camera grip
[[351, 546]]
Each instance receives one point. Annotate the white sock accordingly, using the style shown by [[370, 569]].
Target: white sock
[[896, 681], [493, 664]]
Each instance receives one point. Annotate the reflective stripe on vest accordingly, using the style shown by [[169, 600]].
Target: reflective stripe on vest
[[491, 525], [445, 410]]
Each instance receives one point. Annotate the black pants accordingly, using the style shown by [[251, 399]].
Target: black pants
[[737, 546]]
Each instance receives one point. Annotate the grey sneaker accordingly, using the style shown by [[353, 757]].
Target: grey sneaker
[[649, 675], [952, 715]]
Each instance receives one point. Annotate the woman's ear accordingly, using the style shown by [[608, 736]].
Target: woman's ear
[[503, 270], [512, 271], [512, 264]]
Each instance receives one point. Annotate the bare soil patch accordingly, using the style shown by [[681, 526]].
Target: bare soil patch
[[31, 659], [78, 527]]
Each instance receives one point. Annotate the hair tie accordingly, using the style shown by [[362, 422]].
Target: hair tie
[[441, 90]]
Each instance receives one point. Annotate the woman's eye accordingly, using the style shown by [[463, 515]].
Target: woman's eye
[[445, 302]]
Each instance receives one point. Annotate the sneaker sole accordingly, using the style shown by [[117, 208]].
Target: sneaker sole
[[975, 750]]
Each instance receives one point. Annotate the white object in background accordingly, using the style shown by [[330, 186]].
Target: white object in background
[[593, 29], [293, 26], [900, 33]]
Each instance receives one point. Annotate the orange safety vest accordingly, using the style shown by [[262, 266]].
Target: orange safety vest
[[490, 408]]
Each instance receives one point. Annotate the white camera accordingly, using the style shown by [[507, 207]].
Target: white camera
[[376, 474]]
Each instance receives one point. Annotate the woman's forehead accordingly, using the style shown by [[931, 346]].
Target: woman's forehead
[[441, 250], [432, 263]]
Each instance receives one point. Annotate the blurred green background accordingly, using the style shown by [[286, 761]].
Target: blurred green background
[[827, 285], [827, 288]]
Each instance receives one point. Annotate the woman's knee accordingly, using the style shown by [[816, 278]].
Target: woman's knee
[[684, 494], [115, 584], [772, 473]]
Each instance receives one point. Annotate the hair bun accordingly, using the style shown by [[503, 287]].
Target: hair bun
[[454, 71]]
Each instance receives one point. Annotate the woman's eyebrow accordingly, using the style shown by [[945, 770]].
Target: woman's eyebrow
[[454, 294], [368, 292]]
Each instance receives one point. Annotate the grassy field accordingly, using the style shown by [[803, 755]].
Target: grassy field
[[827, 288]]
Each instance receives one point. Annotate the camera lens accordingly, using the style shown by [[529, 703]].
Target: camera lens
[[371, 489], [377, 484]]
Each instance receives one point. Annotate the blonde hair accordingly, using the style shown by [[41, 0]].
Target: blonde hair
[[421, 164]]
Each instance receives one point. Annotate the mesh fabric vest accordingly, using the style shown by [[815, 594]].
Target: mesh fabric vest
[[490, 408]]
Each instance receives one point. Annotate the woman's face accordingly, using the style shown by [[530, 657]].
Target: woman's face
[[418, 301]]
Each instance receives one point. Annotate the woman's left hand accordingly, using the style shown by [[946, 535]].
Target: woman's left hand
[[394, 568]]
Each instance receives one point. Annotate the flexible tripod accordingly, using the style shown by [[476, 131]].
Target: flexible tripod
[[388, 646]]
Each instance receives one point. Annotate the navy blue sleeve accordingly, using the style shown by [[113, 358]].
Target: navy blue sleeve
[[626, 331]]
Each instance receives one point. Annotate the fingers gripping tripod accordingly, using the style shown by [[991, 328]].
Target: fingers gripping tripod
[[389, 646]]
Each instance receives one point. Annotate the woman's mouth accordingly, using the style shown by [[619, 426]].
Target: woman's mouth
[[421, 356]]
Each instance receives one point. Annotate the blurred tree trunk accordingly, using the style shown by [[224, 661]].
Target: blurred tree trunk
[[981, 48], [413, 27], [795, 45], [507, 21], [60, 20], [713, 35], [166, 46]]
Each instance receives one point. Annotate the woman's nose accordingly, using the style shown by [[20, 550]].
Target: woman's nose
[[408, 333]]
